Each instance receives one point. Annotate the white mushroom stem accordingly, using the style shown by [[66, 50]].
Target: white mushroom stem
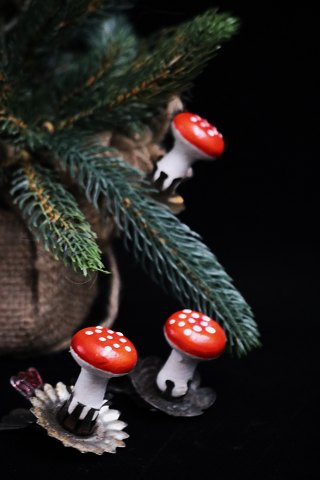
[[89, 390], [179, 369], [177, 163]]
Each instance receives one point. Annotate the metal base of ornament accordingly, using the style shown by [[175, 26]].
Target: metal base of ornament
[[192, 404], [107, 435], [17, 419]]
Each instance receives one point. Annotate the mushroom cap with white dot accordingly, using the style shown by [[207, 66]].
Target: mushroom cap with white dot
[[198, 134], [195, 337], [100, 351]]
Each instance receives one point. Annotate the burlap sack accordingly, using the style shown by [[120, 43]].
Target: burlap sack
[[42, 303]]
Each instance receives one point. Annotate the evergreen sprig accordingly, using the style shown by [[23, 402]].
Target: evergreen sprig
[[109, 51], [45, 25], [52, 214], [168, 250], [54, 98], [156, 74]]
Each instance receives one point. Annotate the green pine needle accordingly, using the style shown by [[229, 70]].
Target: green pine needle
[[53, 216], [166, 67], [168, 250]]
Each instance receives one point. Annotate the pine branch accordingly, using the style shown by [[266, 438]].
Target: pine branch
[[45, 30], [53, 216], [58, 79], [38, 20], [169, 251], [15, 130], [111, 46], [168, 67], [46, 21]]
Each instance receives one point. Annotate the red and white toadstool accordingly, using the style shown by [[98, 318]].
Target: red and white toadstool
[[195, 139], [101, 353], [193, 336]]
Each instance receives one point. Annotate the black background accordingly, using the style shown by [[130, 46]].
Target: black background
[[255, 208]]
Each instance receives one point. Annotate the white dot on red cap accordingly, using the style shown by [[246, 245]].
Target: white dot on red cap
[[186, 310], [127, 348], [204, 123], [172, 322], [187, 332], [191, 320], [194, 119], [123, 340], [102, 339], [211, 330], [110, 337], [89, 332], [110, 331], [182, 315], [108, 348], [195, 315], [204, 324], [181, 324], [199, 132], [120, 334], [205, 317], [98, 330], [212, 132], [196, 328], [98, 326], [116, 345]]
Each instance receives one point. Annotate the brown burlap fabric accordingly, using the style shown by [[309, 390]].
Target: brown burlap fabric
[[42, 302]]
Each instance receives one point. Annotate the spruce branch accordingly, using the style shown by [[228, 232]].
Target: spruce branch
[[166, 68], [48, 27], [37, 21], [168, 250], [15, 130], [46, 21], [54, 217], [111, 46]]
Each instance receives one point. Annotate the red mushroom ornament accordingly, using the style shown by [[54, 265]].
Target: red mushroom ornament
[[195, 139], [101, 354], [193, 337]]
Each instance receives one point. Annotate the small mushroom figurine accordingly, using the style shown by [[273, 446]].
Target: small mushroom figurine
[[101, 353], [193, 337], [195, 139]]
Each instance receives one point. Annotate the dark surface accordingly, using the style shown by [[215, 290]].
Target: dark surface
[[194, 403], [255, 208]]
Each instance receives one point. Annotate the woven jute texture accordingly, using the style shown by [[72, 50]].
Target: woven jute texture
[[42, 302]]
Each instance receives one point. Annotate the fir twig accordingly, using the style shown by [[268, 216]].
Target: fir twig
[[46, 26], [53, 216], [16, 129], [171, 253], [43, 21], [109, 50], [168, 68]]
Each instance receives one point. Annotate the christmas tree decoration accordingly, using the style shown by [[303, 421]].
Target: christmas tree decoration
[[27, 382], [195, 139], [174, 387], [85, 107], [193, 337], [102, 354], [79, 416]]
